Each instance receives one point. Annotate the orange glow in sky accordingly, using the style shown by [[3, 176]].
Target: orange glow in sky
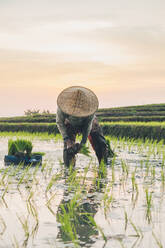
[[116, 48]]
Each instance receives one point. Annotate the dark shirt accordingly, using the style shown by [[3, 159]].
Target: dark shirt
[[84, 123]]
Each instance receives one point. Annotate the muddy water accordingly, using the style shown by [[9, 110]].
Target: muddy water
[[30, 204]]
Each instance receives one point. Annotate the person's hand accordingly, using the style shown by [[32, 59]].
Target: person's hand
[[69, 144], [77, 147]]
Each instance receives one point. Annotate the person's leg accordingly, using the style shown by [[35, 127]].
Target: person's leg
[[68, 156], [98, 142]]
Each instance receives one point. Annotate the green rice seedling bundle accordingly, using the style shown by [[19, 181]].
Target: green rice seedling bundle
[[20, 151], [19, 146]]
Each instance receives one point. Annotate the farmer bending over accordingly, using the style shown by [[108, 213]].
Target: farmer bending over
[[76, 115]]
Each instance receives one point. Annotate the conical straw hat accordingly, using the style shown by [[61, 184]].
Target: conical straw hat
[[77, 101]]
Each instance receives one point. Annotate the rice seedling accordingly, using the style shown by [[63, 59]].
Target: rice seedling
[[4, 176], [126, 220], [121, 243], [5, 191], [135, 228], [34, 230], [107, 201], [99, 175], [25, 176], [133, 180], [158, 242], [34, 174], [48, 171], [113, 173], [102, 173], [43, 167], [162, 176], [148, 198], [51, 209], [50, 199], [130, 144], [73, 180], [92, 222], [85, 150], [67, 226], [32, 210], [153, 172], [53, 180], [3, 225], [15, 243], [67, 217], [25, 227], [86, 169], [163, 159], [149, 205], [95, 173], [124, 167]]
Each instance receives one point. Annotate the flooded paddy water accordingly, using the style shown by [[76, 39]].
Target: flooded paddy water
[[122, 205]]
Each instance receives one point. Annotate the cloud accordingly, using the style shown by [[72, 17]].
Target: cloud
[[115, 48], [34, 80], [19, 15], [31, 68], [113, 32], [131, 45]]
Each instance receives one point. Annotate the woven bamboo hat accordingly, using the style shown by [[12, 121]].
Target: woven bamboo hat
[[78, 101]]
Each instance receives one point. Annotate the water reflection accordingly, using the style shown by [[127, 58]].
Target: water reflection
[[76, 213]]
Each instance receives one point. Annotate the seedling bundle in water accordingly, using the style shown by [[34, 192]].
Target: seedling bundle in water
[[20, 151], [19, 146]]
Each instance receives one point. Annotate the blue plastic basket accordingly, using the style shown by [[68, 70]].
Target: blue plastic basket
[[15, 160]]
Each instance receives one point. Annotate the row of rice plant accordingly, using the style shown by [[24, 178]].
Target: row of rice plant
[[153, 130], [29, 127], [30, 119], [150, 130], [128, 118], [136, 109], [155, 112]]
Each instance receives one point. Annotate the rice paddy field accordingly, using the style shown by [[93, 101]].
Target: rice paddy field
[[122, 205]]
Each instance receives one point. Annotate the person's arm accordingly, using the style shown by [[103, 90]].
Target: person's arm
[[86, 129], [60, 119]]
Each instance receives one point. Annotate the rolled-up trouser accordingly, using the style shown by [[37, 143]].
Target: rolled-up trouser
[[95, 137]]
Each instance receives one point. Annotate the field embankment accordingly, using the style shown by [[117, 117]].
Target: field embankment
[[146, 113], [29, 127], [150, 130], [145, 121], [144, 130], [39, 118]]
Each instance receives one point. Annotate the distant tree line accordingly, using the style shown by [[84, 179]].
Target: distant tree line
[[32, 112]]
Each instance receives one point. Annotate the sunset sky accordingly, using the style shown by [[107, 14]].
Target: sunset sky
[[115, 48]]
